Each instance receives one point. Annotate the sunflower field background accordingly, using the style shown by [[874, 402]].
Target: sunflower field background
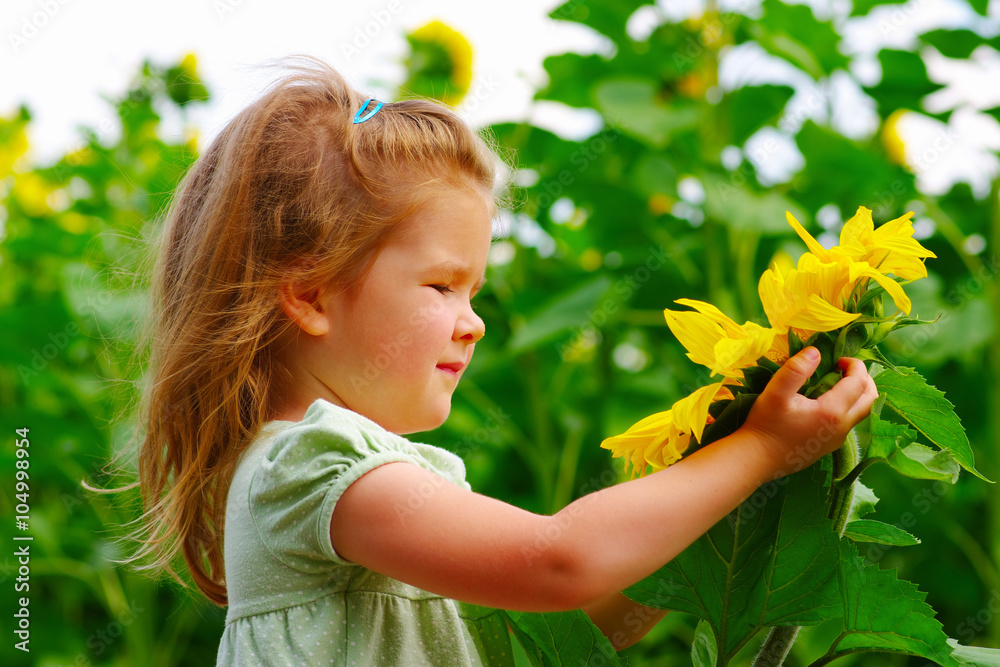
[[674, 197]]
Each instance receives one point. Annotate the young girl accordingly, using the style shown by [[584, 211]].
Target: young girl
[[312, 305]]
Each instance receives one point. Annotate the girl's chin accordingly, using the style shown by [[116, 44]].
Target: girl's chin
[[426, 422]]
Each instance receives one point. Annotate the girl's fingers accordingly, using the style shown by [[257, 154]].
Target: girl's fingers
[[793, 373], [851, 390], [854, 394], [863, 405]]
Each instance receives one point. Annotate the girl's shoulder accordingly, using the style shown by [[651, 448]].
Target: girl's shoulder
[[332, 433]]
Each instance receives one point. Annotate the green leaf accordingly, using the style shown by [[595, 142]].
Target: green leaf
[[607, 18], [862, 503], [742, 209], [893, 443], [563, 313], [570, 78], [488, 628], [752, 107], [632, 104], [772, 561], [862, 7], [561, 638], [846, 172], [904, 81], [928, 411], [953, 43], [655, 174], [882, 613], [887, 437], [704, 652], [867, 530], [980, 6], [922, 462], [975, 655], [793, 33]]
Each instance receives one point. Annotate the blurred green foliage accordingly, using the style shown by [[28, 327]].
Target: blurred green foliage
[[610, 230]]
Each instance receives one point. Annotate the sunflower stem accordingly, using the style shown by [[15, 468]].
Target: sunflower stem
[[776, 647], [846, 469], [845, 464]]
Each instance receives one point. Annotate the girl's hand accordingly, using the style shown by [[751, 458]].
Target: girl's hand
[[795, 431]]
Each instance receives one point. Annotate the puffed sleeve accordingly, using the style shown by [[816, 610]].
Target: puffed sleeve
[[307, 468]]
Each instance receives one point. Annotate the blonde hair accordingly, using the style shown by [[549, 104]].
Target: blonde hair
[[290, 188]]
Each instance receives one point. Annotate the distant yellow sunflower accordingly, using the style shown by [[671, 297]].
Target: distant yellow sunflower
[[894, 145], [440, 63]]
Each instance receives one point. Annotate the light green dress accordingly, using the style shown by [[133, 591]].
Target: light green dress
[[292, 600]]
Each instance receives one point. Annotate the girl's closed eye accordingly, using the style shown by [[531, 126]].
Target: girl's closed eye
[[444, 289]]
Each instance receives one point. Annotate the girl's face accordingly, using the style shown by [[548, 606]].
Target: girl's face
[[397, 348]]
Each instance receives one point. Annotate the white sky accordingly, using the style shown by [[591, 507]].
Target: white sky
[[91, 47], [58, 56]]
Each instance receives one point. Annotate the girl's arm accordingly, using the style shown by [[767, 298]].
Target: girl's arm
[[623, 621], [467, 546]]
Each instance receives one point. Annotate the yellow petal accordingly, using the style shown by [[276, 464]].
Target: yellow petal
[[713, 314], [819, 315], [858, 232], [892, 288], [734, 354], [814, 246], [691, 412], [696, 333]]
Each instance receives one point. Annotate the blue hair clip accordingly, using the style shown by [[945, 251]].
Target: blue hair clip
[[358, 118]]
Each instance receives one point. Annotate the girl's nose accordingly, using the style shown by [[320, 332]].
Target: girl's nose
[[470, 327]]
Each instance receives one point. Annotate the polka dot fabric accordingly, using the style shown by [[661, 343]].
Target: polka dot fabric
[[292, 599]]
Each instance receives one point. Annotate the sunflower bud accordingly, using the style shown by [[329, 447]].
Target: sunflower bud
[[880, 332]]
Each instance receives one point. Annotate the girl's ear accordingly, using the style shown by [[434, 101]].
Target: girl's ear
[[304, 309]]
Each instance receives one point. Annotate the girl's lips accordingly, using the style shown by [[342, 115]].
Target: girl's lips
[[454, 368]]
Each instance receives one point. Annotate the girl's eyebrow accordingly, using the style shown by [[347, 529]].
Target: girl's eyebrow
[[454, 269]]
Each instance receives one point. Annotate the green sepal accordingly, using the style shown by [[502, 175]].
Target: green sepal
[[795, 343], [755, 378], [851, 339], [824, 385], [825, 343], [887, 327], [871, 303], [875, 354], [730, 419]]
